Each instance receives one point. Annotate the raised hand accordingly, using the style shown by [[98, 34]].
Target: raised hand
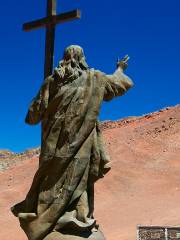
[[123, 63]]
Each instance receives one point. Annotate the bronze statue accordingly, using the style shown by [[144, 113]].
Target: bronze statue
[[59, 204]]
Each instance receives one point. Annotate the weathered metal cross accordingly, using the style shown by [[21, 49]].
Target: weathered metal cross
[[50, 22]]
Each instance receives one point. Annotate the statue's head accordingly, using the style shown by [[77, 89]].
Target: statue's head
[[75, 54], [72, 64]]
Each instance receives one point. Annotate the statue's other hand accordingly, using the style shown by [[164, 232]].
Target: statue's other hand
[[123, 64]]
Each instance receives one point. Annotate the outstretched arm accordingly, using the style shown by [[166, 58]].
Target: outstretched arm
[[118, 83], [39, 104]]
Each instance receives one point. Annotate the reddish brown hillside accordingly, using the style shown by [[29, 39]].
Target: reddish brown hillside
[[142, 188]]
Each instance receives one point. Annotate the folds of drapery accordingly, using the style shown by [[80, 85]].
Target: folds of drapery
[[72, 155]]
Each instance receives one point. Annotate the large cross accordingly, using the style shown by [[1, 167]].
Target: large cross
[[49, 22]]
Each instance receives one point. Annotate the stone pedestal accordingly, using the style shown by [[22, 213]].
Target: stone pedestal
[[98, 235]]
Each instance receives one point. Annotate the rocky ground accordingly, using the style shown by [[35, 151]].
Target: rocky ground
[[143, 186]]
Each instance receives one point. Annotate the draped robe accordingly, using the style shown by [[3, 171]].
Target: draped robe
[[72, 154]]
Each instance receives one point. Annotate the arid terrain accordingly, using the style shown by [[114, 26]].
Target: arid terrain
[[143, 187]]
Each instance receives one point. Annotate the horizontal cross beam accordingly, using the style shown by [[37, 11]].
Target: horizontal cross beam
[[52, 20]]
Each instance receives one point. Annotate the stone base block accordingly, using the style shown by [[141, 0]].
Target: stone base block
[[98, 235]]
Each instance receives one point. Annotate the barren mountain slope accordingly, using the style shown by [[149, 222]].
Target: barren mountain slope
[[143, 186]]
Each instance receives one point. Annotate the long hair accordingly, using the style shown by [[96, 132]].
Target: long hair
[[72, 65]]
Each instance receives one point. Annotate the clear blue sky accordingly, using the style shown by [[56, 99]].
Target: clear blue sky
[[149, 31]]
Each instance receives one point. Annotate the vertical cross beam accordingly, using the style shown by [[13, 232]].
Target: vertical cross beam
[[50, 38], [50, 22]]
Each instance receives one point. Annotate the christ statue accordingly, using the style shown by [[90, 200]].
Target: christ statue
[[60, 202]]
